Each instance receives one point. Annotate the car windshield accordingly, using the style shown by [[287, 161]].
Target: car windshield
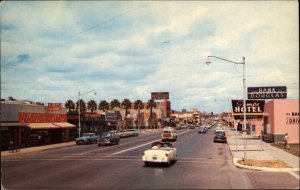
[[107, 135], [220, 133], [87, 135]]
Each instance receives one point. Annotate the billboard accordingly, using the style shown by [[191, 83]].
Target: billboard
[[160, 95], [267, 92], [254, 108]]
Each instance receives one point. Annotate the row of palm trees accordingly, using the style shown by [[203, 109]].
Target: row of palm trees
[[105, 106]]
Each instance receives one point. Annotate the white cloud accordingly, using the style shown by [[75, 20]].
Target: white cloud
[[130, 49]]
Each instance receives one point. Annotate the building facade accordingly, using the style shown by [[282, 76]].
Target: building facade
[[28, 124], [280, 116]]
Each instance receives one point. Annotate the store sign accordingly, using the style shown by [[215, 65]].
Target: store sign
[[254, 109], [160, 95], [54, 107], [293, 118], [111, 116], [269, 92]]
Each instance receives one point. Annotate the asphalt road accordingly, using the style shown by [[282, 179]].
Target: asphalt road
[[201, 164]]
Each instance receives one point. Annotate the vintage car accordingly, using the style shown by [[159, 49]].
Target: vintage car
[[133, 132], [202, 129], [220, 136], [168, 134], [87, 138], [109, 138], [160, 152]]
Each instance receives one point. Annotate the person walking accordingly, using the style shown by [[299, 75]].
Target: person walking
[[286, 143]]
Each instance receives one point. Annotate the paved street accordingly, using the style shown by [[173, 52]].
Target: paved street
[[201, 164]]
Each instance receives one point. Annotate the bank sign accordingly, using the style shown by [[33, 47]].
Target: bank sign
[[254, 109], [267, 92]]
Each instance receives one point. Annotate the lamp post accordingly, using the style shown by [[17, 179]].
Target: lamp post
[[244, 94], [79, 105]]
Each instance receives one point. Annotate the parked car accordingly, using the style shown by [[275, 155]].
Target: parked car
[[168, 134], [178, 127], [109, 138], [191, 126], [87, 138], [124, 134], [202, 129], [133, 132], [220, 136], [184, 126], [160, 152]]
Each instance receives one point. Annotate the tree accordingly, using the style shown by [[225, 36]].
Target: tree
[[138, 105], [103, 105], [115, 103], [150, 105], [70, 105], [92, 105], [82, 106], [126, 104]]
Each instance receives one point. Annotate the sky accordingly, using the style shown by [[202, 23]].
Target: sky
[[51, 51]]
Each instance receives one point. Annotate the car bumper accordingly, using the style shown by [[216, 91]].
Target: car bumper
[[164, 160], [220, 140]]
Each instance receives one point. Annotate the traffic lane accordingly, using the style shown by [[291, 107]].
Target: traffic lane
[[85, 149], [95, 173], [209, 170], [127, 144], [197, 145]]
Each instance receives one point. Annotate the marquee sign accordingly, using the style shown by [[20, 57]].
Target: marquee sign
[[160, 95], [254, 108], [267, 92], [54, 107]]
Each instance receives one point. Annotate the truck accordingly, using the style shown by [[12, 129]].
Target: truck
[[87, 138]]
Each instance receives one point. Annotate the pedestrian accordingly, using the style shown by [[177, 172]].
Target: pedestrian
[[286, 143], [11, 146]]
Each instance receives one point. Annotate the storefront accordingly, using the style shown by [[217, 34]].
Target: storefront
[[27, 124], [279, 117], [282, 116]]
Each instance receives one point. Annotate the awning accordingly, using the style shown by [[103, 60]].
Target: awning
[[43, 126], [65, 125]]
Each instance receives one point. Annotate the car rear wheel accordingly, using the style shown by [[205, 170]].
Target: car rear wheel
[[169, 163]]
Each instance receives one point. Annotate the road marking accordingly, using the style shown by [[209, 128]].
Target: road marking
[[135, 147]]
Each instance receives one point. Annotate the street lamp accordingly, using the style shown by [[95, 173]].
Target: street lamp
[[79, 127], [208, 62]]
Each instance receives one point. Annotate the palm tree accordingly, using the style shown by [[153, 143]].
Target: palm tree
[[138, 105], [126, 104], [92, 105], [103, 105], [82, 106], [115, 103], [150, 105], [70, 105]]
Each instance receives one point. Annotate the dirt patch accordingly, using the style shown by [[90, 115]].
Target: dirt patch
[[294, 148], [264, 163]]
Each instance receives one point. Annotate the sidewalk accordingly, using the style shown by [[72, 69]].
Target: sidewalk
[[257, 149]]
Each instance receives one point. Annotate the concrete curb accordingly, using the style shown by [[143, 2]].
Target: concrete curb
[[30, 150], [235, 162]]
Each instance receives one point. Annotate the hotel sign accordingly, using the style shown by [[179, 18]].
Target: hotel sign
[[268, 92], [254, 108]]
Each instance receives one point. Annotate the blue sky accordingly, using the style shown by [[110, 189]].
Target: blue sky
[[127, 49]]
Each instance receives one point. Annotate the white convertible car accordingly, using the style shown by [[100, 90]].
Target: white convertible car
[[160, 152]]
